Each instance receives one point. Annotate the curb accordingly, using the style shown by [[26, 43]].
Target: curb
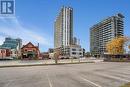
[[8, 66]]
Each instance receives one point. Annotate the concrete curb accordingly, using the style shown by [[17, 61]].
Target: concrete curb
[[41, 64]]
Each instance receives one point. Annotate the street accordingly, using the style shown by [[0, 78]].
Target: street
[[100, 74]]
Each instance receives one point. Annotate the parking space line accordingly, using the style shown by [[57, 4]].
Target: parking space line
[[114, 77], [49, 81], [97, 85]]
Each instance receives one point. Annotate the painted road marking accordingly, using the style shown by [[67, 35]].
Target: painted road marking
[[97, 85], [49, 81], [114, 77]]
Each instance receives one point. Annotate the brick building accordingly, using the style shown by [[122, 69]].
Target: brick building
[[29, 51], [5, 53]]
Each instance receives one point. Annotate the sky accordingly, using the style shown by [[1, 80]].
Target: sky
[[34, 19]]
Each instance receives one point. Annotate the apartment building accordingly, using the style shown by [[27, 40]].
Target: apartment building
[[104, 31], [63, 33]]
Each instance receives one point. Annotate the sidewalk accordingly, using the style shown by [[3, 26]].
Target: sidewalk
[[17, 63]]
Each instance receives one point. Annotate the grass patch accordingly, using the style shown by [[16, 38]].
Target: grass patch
[[126, 85]]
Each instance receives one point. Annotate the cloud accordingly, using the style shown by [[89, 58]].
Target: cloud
[[12, 27]]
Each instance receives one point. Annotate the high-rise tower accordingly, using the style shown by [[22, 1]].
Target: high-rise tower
[[63, 33], [104, 31]]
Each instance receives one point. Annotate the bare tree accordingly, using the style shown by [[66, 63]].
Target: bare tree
[[56, 55]]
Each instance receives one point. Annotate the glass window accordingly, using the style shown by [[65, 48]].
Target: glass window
[[73, 49], [73, 53]]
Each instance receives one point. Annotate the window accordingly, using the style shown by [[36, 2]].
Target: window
[[80, 50], [73, 49], [80, 53], [73, 53], [15, 52], [2, 51]]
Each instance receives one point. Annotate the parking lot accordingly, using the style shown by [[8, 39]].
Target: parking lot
[[100, 74]]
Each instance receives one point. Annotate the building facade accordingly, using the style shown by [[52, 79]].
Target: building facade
[[29, 51], [45, 55], [50, 50], [14, 45], [64, 42], [4, 53], [75, 51], [63, 33], [104, 32], [72, 51]]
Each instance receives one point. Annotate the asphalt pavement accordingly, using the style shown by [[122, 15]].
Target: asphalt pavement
[[100, 74]]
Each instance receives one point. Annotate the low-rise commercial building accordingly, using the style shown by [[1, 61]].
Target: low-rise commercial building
[[44, 55], [29, 51], [5, 53], [73, 51], [50, 50]]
